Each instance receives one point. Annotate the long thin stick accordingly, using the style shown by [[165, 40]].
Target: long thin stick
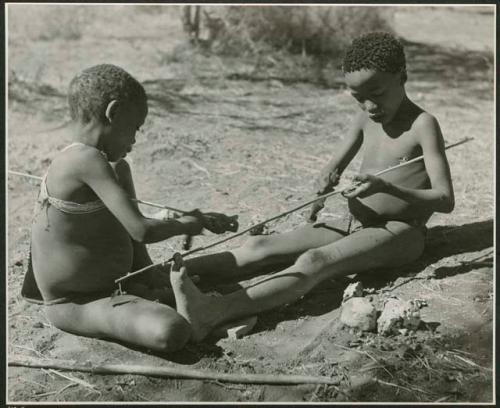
[[165, 207], [159, 206], [299, 207], [172, 372], [18, 173]]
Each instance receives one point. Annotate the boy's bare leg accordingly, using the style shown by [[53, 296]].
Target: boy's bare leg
[[393, 245], [264, 250], [140, 322]]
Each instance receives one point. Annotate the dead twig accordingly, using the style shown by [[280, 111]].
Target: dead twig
[[461, 351], [66, 387], [413, 388], [366, 354], [57, 392], [74, 379], [393, 385], [46, 394], [196, 165], [48, 373], [173, 372], [229, 387], [470, 362], [29, 349], [314, 395]]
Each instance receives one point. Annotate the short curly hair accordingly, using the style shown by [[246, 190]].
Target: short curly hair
[[91, 91], [376, 50]]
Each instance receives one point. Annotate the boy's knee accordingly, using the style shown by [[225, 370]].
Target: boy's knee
[[411, 239], [169, 334], [60, 317], [311, 261]]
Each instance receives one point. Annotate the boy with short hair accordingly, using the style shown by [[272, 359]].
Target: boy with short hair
[[388, 213], [88, 231]]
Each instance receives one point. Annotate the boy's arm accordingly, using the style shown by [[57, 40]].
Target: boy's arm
[[440, 196], [124, 175], [154, 276], [330, 175], [343, 155], [97, 173]]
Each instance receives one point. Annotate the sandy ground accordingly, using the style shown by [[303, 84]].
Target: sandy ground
[[252, 148]]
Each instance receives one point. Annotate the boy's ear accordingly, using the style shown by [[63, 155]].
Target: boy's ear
[[403, 76], [111, 110]]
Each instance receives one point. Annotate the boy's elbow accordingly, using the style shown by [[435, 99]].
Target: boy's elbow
[[451, 205], [447, 203], [141, 233]]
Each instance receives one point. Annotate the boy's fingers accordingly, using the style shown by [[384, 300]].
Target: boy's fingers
[[361, 177], [178, 262], [227, 224], [352, 191], [315, 209], [233, 224], [220, 223]]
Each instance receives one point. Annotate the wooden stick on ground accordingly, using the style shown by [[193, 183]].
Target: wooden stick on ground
[[171, 372]]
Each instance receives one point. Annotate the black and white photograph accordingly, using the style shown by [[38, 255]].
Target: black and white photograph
[[250, 203]]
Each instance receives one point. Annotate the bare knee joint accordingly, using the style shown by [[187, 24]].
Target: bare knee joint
[[311, 261], [170, 335]]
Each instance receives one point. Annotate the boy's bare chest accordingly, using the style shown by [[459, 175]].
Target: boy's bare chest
[[381, 151]]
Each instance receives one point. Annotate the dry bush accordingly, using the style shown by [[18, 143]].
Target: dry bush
[[322, 31]]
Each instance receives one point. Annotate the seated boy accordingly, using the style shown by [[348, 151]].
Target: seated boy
[[389, 213], [88, 231]]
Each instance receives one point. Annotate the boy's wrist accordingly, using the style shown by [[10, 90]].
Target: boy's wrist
[[387, 186], [193, 225]]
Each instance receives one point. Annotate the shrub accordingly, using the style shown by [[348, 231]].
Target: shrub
[[307, 30]]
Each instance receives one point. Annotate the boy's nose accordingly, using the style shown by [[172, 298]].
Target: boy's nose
[[370, 106]]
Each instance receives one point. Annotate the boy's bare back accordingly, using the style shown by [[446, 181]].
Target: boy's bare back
[[81, 253]]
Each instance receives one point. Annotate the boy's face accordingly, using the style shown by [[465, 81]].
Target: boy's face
[[378, 93], [127, 120]]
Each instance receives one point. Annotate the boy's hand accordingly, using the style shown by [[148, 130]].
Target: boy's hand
[[220, 223], [326, 180], [365, 185], [325, 183], [195, 219]]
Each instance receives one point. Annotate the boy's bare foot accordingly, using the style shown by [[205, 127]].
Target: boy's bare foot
[[197, 308]]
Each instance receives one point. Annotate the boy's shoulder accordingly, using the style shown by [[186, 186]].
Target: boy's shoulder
[[425, 125], [81, 150], [425, 119], [426, 130], [79, 157], [418, 121]]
